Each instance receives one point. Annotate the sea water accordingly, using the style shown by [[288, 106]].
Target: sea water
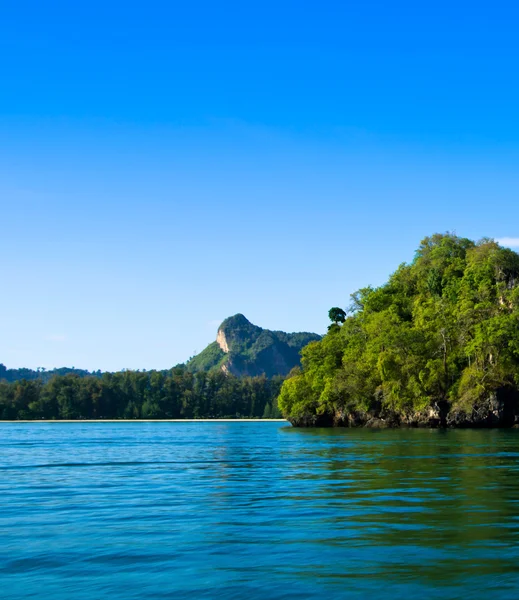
[[256, 511]]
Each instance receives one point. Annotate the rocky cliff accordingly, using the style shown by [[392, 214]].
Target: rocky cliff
[[498, 409], [244, 349]]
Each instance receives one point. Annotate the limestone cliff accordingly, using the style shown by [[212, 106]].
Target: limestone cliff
[[244, 349]]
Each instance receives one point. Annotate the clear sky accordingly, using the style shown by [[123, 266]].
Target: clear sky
[[164, 165]]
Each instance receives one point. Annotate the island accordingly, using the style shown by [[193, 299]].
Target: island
[[436, 346]]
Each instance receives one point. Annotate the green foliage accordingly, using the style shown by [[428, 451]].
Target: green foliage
[[443, 331], [173, 394], [337, 315], [211, 358]]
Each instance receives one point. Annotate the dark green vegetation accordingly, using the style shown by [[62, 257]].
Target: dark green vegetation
[[437, 345], [174, 394], [244, 349], [42, 374], [210, 359]]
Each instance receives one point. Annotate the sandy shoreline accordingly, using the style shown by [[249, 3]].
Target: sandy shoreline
[[150, 421]]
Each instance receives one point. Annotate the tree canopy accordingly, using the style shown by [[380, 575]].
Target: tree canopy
[[173, 394], [437, 344]]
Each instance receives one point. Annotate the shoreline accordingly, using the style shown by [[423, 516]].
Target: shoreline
[[147, 421]]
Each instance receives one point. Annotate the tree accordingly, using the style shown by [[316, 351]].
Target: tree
[[337, 315]]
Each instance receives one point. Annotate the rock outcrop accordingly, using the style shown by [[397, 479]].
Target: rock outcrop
[[244, 349], [499, 409]]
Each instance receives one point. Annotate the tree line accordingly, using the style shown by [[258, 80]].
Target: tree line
[[173, 394]]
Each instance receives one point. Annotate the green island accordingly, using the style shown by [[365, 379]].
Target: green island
[[436, 346]]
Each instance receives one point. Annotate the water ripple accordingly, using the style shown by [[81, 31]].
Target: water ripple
[[256, 510]]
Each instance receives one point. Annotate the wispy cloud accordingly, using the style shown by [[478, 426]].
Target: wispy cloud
[[56, 337], [511, 242]]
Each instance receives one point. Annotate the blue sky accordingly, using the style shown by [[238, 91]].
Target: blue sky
[[166, 165]]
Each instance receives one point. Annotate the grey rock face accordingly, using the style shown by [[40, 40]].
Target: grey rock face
[[499, 409]]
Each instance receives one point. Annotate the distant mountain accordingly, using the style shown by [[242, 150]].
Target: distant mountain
[[11, 375], [241, 348], [244, 349]]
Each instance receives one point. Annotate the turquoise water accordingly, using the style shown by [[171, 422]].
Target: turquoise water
[[256, 510]]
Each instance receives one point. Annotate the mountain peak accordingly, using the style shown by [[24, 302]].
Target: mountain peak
[[242, 348], [235, 322]]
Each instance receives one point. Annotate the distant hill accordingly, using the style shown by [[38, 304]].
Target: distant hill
[[11, 375], [244, 349]]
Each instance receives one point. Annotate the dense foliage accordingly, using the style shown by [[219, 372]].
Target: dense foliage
[[437, 344], [211, 358], [173, 394]]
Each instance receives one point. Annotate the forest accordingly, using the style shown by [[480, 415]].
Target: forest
[[437, 345], [173, 394]]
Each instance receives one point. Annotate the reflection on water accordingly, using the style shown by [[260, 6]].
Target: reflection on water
[[256, 510]]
